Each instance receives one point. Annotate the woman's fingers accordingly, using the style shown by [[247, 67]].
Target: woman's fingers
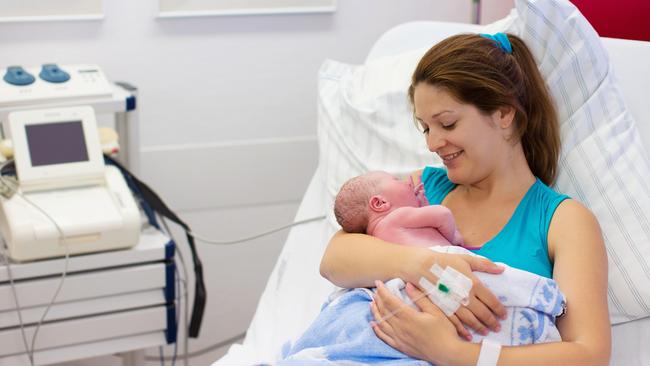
[[387, 303], [427, 306], [483, 265], [383, 336], [421, 300], [381, 328], [473, 316], [484, 308], [415, 333], [483, 294], [483, 313], [460, 328], [468, 318], [476, 315], [485, 297]]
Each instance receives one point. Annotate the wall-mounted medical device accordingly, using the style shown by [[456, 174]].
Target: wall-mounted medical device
[[63, 182]]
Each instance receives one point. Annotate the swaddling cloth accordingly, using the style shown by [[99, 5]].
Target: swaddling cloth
[[532, 303]]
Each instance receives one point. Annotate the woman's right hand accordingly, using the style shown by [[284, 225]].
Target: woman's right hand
[[483, 310]]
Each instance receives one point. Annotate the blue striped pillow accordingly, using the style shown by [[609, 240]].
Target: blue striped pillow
[[603, 163]]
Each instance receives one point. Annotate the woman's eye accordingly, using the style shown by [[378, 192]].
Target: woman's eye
[[425, 130], [449, 126]]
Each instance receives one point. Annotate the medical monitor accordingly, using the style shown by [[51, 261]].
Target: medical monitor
[[56, 148], [56, 143]]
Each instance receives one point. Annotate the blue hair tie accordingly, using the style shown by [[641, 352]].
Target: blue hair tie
[[501, 39]]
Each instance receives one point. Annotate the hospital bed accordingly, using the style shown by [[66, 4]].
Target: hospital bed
[[295, 290]]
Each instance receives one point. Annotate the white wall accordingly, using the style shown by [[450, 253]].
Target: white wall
[[228, 117], [492, 10]]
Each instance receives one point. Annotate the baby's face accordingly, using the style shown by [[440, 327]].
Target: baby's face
[[400, 193]]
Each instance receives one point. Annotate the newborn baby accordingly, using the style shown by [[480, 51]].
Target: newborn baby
[[379, 204]]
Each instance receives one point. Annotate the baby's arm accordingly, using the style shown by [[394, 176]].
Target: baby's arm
[[435, 216], [418, 187]]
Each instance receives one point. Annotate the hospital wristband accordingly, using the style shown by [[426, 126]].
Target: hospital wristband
[[489, 355]]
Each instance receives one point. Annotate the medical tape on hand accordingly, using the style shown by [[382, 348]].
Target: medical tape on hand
[[451, 290]]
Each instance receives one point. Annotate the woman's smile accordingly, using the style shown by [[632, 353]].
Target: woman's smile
[[451, 158]]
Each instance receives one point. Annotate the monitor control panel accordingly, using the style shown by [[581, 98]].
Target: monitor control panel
[[51, 82]]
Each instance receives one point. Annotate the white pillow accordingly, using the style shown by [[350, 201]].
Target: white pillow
[[365, 122]]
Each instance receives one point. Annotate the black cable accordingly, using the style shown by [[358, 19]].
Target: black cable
[[157, 204]]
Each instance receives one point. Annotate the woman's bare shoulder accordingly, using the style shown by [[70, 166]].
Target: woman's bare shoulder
[[573, 222], [573, 212]]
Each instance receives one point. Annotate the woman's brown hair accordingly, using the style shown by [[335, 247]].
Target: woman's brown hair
[[475, 70]]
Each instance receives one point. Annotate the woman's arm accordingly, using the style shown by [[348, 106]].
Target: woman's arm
[[357, 260], [580, 268]]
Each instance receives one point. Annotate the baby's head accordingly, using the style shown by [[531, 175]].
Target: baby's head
[[373, 193]]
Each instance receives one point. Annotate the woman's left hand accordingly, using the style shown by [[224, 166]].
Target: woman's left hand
[[426, 334]]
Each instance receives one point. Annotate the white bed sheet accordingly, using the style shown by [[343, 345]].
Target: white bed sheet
[[630, 343], [295, 290]]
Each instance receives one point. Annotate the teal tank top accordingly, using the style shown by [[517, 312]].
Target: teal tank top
[[522, 243]]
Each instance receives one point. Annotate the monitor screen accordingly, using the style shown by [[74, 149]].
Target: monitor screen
[[56, 143]]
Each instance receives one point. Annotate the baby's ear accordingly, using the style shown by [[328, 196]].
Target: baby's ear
[[378, 203]]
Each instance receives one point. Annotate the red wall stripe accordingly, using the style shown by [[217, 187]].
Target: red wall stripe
[[628, 19]]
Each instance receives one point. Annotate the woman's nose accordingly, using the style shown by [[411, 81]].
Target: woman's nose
[[435, 142]]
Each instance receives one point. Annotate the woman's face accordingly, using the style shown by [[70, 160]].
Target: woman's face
[[471, 144]]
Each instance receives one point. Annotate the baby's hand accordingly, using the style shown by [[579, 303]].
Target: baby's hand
[[458, 239], [419, 193]]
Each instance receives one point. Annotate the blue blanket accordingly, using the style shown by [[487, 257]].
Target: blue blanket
[[342, 335]]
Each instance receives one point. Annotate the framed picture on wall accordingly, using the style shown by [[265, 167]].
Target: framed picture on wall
[[191, 8], [26, 11]]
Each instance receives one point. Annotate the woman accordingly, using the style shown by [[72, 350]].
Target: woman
[[484, 109]]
